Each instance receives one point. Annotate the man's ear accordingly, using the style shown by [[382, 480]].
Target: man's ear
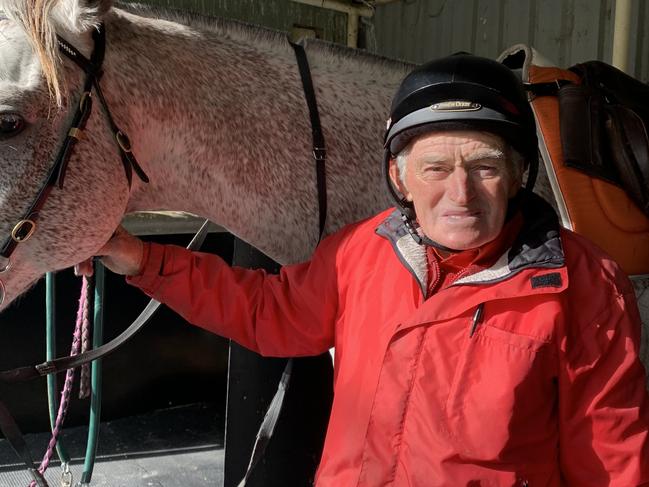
[[396, 180], [78, 16]]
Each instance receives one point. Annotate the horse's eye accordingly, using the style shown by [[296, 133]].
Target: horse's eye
[[11, 124]]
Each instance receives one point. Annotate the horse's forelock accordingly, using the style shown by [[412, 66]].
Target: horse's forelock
[[35, 17], [41, 19]]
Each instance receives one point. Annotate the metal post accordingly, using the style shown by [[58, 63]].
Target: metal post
[[354, 12], [621, 35], [96, 377], [50, 353]]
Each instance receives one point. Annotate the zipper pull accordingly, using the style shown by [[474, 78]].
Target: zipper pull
[[477, 318]]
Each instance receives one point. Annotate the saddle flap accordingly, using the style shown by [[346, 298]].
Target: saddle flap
[[583, 133], [616, 119], [628, 137]]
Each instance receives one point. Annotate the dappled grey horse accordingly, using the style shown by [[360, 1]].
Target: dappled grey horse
[[216, 114]]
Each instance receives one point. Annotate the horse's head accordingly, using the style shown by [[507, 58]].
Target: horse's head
[[38, 97]]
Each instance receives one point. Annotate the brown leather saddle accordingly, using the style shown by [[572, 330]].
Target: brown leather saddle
[[603, 123]]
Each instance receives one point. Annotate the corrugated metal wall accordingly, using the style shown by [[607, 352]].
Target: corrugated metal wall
[[565, 31], [275, 14]]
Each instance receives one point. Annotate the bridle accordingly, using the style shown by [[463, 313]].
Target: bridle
[[26, 226]]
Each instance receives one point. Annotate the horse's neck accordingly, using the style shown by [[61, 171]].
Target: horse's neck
[[223, 129]]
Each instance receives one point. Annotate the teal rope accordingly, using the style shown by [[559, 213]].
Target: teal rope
[[95, 378], [50, 354]]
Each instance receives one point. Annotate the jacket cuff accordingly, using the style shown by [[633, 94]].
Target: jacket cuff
[[149, 279]]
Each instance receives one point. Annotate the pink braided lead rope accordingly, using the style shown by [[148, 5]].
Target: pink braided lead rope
[[82, 315], [84, 376]]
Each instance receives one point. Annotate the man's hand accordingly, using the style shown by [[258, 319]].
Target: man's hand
[[122, 254]]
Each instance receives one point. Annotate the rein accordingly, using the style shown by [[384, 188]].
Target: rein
[[8, 425]]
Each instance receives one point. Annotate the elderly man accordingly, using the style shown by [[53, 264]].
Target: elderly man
[[477, 342]]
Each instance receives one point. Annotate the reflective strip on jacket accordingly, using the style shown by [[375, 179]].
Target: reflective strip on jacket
[[547, 391]]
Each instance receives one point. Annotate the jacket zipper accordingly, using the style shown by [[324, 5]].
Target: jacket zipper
[[477, 319]]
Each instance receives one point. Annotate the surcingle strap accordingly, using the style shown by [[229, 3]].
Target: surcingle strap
[[319, 148]]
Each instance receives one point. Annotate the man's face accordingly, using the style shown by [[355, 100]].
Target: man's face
[[460, 185]]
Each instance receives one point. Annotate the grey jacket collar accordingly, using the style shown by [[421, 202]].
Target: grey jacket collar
[[538, 244]]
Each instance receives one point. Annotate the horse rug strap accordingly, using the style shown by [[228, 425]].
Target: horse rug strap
[[604, 123], [269, 422], [319, 149]]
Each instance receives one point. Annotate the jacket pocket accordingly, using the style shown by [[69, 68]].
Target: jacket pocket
[[501, 404]]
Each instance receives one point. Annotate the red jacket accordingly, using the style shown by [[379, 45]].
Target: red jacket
[[526, 373]]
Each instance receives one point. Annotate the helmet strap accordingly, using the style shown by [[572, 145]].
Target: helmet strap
[[532, 172]]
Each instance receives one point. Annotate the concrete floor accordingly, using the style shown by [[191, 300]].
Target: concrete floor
[[179, 447]]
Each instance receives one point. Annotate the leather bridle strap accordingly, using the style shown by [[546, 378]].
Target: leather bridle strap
[[92, 68], [25, 227]]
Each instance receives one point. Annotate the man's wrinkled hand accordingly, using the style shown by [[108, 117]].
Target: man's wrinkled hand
[[122, 254]]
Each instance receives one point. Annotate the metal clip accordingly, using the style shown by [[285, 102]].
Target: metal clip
[[45, 368], [66, 475]]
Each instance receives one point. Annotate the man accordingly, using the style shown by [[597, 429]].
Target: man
[[476, 342]]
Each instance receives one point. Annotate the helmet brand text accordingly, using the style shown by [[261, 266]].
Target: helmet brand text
[[456, 106]]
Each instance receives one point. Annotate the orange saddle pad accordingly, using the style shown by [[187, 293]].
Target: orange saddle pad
[[592, 207]]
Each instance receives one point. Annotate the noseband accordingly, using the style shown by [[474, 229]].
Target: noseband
[[92, 67]]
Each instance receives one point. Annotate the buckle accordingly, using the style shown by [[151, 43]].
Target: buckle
[[23, 230], [123, 141], [46, 369], [319, 153]]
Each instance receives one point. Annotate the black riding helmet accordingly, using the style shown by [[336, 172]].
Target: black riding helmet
[[459, 92]]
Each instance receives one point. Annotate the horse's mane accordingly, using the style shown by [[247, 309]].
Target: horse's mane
[[247, 32], [38, 19]]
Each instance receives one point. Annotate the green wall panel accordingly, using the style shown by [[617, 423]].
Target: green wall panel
[[275, 14]]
